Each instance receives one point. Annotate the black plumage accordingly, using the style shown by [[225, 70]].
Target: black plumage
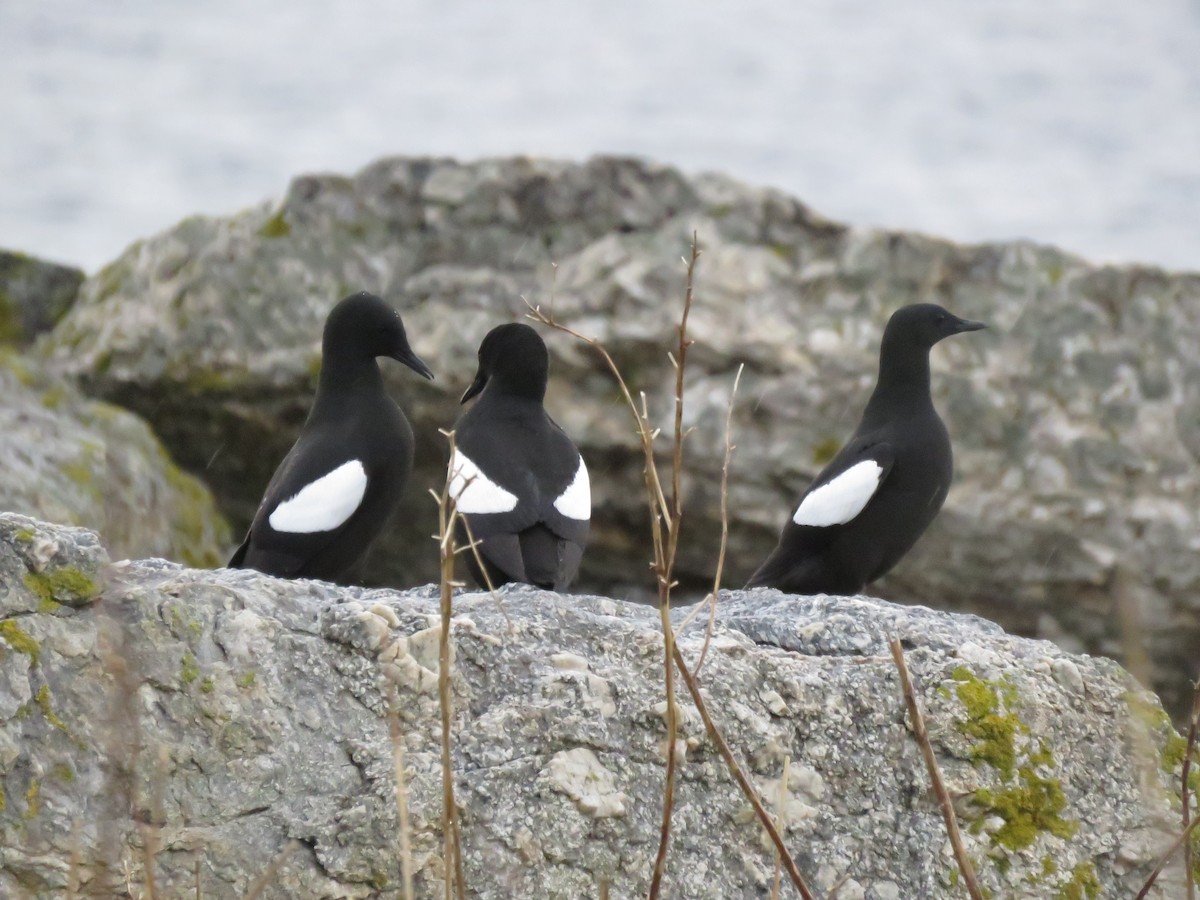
[[520, 482], [868, 507], [334, 491]]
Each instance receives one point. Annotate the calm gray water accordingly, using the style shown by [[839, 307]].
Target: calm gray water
[[1074, 122]]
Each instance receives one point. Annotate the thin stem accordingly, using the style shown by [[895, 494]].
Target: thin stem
[[716, 589], [665, 564], [935, 774], [1188, 868], [1180, 841], [739, 775], [662, 517], [473, 546], [451, 839]]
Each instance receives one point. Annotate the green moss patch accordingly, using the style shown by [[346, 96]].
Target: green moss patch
[[1029, 808], [994, 729], [20, 641], [66, 584], [189, 670], [1084, 885], [275, 227], [1029, 800]]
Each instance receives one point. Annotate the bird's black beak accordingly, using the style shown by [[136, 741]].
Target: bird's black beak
[[410, 359], [476, 386], [967, 325]]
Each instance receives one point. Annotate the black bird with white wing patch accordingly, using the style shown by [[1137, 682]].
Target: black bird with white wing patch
[[868, 507], [519, 481], [334, 491]]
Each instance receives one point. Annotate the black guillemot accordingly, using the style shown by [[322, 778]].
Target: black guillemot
[[519, 480], [331, 496], [872, 502]]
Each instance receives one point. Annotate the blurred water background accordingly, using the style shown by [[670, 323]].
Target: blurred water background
[[1075, 122]]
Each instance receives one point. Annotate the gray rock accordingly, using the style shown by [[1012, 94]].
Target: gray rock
[[232, 713], [1076, 508], [77, 461], [34, 295]]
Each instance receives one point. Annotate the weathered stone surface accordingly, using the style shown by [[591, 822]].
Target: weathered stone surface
[[1076, 421], [77, 461], [234, 713], [34, 294]]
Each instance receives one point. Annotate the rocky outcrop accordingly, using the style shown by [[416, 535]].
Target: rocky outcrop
[[212, 721], [77, 461], [34, 295], [1075, 513]]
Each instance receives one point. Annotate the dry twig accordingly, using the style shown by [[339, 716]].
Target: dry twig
[[716, 588], [1193, 723], [1181, 841], [664, 529], [451, 838], [739, 775], [935, 774]]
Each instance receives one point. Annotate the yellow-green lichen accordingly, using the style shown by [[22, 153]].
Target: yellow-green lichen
[[63, 772], [53, 398], [189, 671], [3, 799], [1154, 719], [64, 583], [11, 330], [25, 536], [1029, 808], [994, 729], [246, 681], [1084, 885], [206, 685], [32, 796], [19, 640], [43, 700], [275, 227], [1028, 802]]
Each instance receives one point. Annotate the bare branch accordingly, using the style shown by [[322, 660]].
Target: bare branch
[[935, 774], [739, 775], [1182, 840], [663, 519], [716, 590], [451, 838], [1185, 776]]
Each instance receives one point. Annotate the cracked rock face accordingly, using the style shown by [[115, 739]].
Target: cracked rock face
[[243, 720], [1075, 419]]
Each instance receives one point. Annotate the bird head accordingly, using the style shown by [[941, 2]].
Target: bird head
[[363, 325], [514, 356]]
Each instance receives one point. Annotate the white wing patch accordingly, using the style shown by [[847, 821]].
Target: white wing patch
[[475, 492], [576, 501], [841, 499], [324, 504]]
